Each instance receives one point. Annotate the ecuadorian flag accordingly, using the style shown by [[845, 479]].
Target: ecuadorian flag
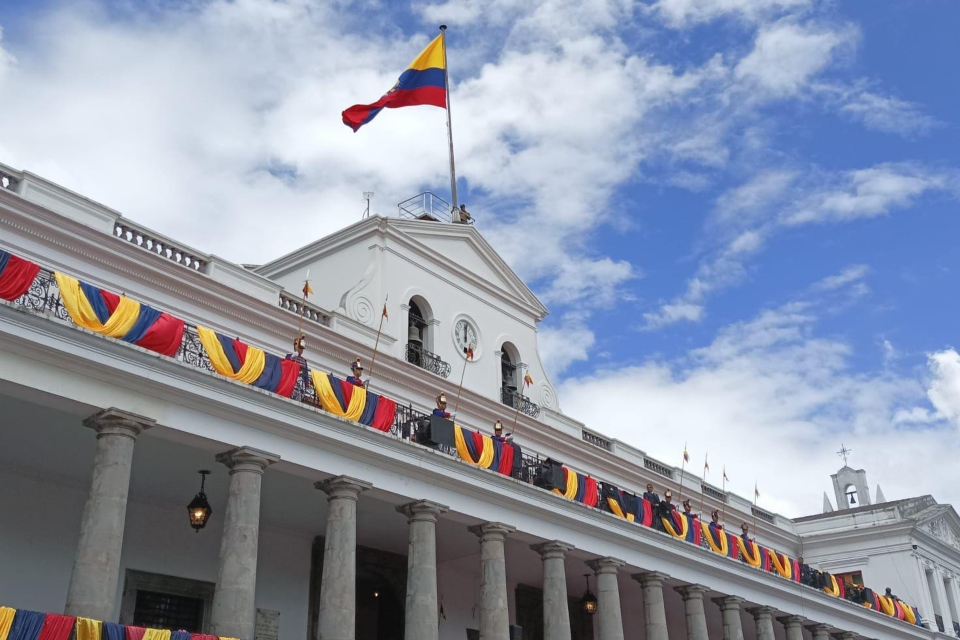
[[424, 82]]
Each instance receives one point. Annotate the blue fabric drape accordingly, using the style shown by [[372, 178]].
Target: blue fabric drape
[[114, 631], [26, 625], [270, 377]]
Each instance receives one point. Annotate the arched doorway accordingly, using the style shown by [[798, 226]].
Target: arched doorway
[[419, 334], [379, 609], [509, 366]]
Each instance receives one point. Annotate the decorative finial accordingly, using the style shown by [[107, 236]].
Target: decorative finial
[[443, 27], [843, 453]]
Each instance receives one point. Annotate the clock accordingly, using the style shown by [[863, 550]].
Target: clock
[[465, 337]]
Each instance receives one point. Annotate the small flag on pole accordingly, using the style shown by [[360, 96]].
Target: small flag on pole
[[527, 379], [706, 465], [385, 314], [469, 353], [725, 478], [307, 289], [686, 456], [756, 492]]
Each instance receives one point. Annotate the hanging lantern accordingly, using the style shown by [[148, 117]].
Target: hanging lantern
[[588, 603], [199, 508]]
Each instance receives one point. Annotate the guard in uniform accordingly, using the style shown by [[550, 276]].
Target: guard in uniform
[[299, 344], [687, 509], [441, 409], [498, 433], [357, 370]]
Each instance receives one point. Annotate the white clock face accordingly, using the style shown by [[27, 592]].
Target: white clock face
[[465, 337]]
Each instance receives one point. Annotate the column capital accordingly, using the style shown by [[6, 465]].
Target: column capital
[[247, 459], [491, 531], [605, 565], [552, 549], [422, 511], [343, 487], [849, 635], [762, 612], [792, 621], [691, 591], [818, 627], [117, 422], [650, 578], [728, 603]]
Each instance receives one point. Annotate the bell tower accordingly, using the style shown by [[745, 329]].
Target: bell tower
[[850, 485]]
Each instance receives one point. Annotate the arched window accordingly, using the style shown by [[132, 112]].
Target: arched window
[[419, 330], [509, 373]]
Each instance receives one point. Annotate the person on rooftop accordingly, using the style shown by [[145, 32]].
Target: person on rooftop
[[463, 217]]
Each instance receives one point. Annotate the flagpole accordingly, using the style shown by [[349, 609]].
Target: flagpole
[[754, 510], [303, 304], [703, 481], [682, 465], [723, 507], [466, 359], [516, 414], [376, 345], [446, 84]]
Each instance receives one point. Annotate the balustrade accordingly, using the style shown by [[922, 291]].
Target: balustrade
[[426, 360], [513, 399]]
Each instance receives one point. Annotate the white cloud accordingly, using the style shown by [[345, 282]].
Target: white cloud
[[681, 13], [559, 347], [849, 275], [772, 401], [787, 55], [944, 390], [888, 114], [669, 313]]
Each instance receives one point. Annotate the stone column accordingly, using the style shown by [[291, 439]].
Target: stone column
[[944, 599], [96, 569], [556, 613], [609, 617], [234, 611], [693, 607], [494, 612], [421, 605], [338, 583], [654, 613], [793, 625], [730, 612], [763, 616], [820, 631]]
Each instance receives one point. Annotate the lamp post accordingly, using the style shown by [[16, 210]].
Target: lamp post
[[199, 508]]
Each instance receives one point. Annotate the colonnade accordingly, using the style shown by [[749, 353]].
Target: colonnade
[[95, 576]]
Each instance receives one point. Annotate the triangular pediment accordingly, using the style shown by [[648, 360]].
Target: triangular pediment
[[942, 523], [465, 247]]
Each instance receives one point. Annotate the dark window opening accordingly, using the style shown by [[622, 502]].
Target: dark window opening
[[156, 610]]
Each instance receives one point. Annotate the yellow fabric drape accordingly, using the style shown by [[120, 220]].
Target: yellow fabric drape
[[252, 366], [724, 547], [88, 629], [328, 399], [752, 560], [887, 605], [833, 589], [908, 614], [684, 527], [486, 456], [783, 566], [6, 621], [157, 634], [462, 450], [572, 485], [617, 511], [82, 313]]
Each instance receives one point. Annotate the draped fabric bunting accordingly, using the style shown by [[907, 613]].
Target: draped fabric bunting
[[88, 629], [626, 505], [351, 402], [780, 562], [56, 627], [114, 631], [6, 621], [157, 634], [16, 275], [580, 488], [180, 635], [241, 362], [750, 552], [484, 451], [683, 527], [716, 538], [108, 314], [26, 625], [135, 633]]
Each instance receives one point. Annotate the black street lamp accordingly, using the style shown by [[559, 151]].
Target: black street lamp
[[199, 508], [588, 603]]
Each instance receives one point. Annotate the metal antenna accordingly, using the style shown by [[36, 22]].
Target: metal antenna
[[367, 195]]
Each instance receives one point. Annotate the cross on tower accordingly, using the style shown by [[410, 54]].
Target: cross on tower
[[843, 453]]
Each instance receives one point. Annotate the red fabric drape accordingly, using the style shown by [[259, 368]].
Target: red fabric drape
[[289, 372], [386, 412], [164, 336], [506, 459], [16, 278], [135, 633], [56, 627]]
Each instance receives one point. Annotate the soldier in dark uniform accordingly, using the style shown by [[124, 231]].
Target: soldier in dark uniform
[[357, 370], [666, 508], [498, 433], [299, 344], [687, 509], [715, 521], [806, 573]]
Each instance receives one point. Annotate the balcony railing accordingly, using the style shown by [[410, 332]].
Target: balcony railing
[[594, 439], [760, 513], [656, 467], [309, 311], [426, 206], [513, 399], [159, 245], [426, 360], [713, 493]]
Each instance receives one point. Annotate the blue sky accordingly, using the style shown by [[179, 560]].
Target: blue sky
[[744, 210]]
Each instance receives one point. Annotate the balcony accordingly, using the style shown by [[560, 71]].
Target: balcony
[[520, 402], [426, 360]]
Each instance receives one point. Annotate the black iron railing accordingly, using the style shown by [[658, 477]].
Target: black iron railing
[[426, 360], [939, 620], [513, 399]]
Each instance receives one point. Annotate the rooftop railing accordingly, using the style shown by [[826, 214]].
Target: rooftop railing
[[426, 206], [159, 245], [309, 311]]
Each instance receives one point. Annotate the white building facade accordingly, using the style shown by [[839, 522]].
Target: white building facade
[[323, 527]]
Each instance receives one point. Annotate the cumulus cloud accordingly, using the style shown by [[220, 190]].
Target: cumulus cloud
[[561, 346], [944, 391], [772, 401], [887, 114], [681, 13]]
